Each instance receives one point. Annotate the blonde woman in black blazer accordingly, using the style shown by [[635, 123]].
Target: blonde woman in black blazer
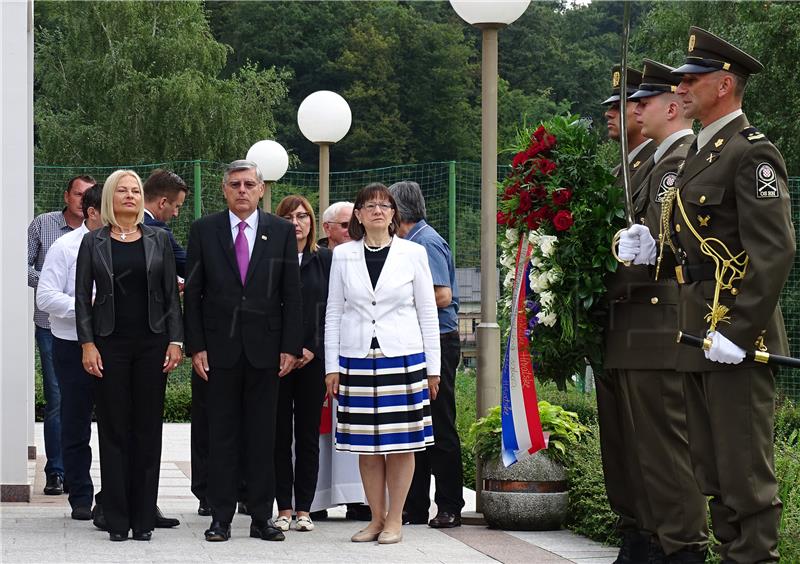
[[131, 335]]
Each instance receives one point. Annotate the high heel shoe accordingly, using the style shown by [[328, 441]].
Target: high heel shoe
[[388, 537], [365, 536]]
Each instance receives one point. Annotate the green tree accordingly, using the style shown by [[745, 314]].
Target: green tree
[[132, 82], [770, 31]]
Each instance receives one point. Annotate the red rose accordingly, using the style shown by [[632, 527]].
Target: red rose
[[562, 220], [524, 201], [533, 221], [548, 142], [562, 196], [519, 159], [546, 166], [511, 190], [501, 218], [538, 192], [539, 133]]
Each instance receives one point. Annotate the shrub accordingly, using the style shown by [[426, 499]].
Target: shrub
[[465, 416]]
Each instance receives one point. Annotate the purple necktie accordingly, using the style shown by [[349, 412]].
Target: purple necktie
[[242, 252]]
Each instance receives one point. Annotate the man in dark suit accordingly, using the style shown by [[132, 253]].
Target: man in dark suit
[[243, 318], [164, 194]]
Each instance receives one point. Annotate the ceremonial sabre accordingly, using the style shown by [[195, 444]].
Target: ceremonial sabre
[[758, 356], [623, 135]]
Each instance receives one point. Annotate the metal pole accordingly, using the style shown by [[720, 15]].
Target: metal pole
[[324, 181], [267, 203], [451, 208], [488, 332], [198, 190]]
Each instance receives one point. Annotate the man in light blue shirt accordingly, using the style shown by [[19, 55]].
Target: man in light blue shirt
[[443, 459]]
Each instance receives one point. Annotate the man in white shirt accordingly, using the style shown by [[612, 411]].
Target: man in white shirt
[[56, 296]]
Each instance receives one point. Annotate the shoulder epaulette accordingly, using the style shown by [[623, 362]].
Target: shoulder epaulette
[[752, 134]]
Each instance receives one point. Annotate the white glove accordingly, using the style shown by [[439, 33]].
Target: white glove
[[723, 350], [637, 245]]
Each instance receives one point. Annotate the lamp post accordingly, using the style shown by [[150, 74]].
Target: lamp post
[[324, 118], [273, 162], [490, 16]]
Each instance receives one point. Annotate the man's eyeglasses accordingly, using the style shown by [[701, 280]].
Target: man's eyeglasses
[[343, 224], [372, 206], [302, 216]]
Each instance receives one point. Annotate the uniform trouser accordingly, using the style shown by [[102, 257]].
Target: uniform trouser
[[77, 401], [299, 409], [130, 405], [443, 459], [730, 417], [654, 411], [623, 483], [199, 437], [241, 411]]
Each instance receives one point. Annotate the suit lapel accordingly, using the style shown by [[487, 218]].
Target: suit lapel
[[104, 250], [226, 242], [261, 242], [361, 266], [710, 154], [149, 245], [307, 256], [393, 259]]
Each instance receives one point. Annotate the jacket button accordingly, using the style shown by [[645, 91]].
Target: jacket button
[[734, 291], [654, 300], [373, 322], [244, 298], [678, 227], [702, 199], [373, 303]]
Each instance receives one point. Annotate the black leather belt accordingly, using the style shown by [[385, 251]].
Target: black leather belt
[[687, 273]]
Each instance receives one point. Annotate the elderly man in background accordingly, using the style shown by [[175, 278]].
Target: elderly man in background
[[42, 233], [335, 221], [443, 459]]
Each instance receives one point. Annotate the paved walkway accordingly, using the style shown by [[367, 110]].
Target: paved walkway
[[43, 532]]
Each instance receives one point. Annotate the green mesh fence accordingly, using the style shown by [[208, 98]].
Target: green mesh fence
[[452, 196]]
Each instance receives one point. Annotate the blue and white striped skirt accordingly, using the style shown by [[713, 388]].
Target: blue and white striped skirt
[[384, 406]]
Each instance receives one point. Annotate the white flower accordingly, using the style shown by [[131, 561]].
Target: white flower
[[548, 319], [539, 281], [536, 262], [508, 261], [512, 235], [509, 281], [553, 276], [547, 243], [546, 299]]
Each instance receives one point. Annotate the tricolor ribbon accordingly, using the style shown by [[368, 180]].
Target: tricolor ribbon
[[522, 430]]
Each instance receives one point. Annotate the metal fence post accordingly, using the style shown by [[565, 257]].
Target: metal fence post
[[451, 208], [198, 190]]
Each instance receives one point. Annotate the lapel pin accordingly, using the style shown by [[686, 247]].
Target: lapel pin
[[711, 157], [263, 237], [703, 220], [718, 143]]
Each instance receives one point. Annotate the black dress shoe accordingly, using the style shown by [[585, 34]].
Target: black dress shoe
[[634, 549], [412, 519], [445, 520], [358, 512], [218, 531], [142, 535], [82, 513], [98, 518], [117, 537], [165, 522], [204, 509], [54, 485], [320, 515], [242, 508], [266, 530]]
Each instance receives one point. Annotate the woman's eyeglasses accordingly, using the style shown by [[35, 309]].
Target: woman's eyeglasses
[[302, 216], [372, 206]]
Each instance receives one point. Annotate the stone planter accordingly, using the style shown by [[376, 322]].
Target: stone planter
[[527, 496]]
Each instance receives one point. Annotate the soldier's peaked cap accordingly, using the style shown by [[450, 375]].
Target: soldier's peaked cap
[[656, 79], [709, 53], [634, 78]]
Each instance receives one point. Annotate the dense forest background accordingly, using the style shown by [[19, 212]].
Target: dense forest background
[[136, 82]]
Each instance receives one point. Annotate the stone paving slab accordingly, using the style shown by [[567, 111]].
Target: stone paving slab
[[42, 531]]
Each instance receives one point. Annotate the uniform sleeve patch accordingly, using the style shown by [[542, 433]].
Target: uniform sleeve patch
[[667, 183], [766, 181]]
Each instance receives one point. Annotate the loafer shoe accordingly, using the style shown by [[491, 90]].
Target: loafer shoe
[[165, 522], [54, 485], [387, 537], [218, 532], [445, 520], [142, 535], [82, 513], [266, 530], [365, 536], [304, 523], [117, 537], [283, 523]]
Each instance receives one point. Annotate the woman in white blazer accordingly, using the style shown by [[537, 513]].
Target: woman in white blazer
[[381, 356]]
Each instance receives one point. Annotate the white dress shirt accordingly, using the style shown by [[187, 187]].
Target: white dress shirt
[[664, 146], [249, 231], [56, 290], [637, 150]]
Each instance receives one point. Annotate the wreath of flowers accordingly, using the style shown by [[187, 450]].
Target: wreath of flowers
[[563, 199]]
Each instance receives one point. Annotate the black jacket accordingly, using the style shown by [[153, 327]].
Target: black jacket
[[315, 271], [95, 267], [178, 252], [259, 319]]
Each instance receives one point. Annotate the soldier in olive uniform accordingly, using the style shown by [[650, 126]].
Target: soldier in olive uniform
[[640, 341], [624, 484], [732, 195]]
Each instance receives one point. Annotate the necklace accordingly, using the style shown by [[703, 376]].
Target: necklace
[[377, 249], [124, 234]]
